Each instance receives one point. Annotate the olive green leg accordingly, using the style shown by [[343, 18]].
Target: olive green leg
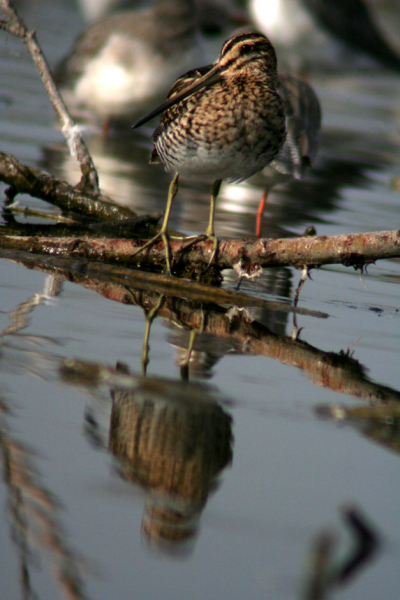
[[149, 320], [210, 229], [173, 188], [209, 232], [184, 367], [216, 186]]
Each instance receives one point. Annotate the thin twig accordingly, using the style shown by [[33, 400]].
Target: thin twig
[[16, 27]]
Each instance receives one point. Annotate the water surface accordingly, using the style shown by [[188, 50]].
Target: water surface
[[218, 487]]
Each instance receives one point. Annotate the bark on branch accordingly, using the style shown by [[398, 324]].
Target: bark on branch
[[41, 185], [245, 256]]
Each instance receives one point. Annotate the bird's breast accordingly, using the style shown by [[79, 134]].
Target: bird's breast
[[224, 131]]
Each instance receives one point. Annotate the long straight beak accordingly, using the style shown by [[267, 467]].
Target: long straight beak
[[208, 79]]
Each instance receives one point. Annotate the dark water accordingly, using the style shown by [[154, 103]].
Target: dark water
[[120, 487]]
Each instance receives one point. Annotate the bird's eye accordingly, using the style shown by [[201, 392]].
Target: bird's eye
[[246, 49]]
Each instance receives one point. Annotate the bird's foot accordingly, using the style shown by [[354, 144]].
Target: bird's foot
[[161, 234], [199, 238]]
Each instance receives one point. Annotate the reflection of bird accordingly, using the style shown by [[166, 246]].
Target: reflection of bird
[[222, 121], [124, 63], [303, 126], [313, 25], [174, 441]]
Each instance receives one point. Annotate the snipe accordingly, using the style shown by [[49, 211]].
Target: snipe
[[224, 121]]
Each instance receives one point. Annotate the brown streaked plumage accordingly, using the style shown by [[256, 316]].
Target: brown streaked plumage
[[224, 121]]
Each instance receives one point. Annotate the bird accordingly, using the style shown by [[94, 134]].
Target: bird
[[303, 127], [93, 10], [320, 30], [214, 16], [124, 63], [224, 121]]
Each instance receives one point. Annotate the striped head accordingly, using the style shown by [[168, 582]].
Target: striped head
[[248, 53], [246, 56]]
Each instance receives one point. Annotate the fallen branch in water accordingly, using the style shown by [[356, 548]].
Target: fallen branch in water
[[36, 183], [245, 256], [85, 197], [117, 282]]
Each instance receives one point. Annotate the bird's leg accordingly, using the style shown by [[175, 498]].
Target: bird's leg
[[260, 212], [150, 316], [214, 193], [173, 188], [209, 232], [184, 366], [216, 186]]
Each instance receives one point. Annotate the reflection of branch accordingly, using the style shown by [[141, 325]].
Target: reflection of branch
[[15, 25], [366, 542], [33, 516], [114, 282], [325, 573], [338, 372], [32, 508], [19, 317], [327, 369], [350, 250], [200, 308], [379, 423]]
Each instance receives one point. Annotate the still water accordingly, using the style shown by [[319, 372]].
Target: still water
[[116, 486]]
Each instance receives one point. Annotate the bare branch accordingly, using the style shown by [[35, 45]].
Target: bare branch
[[350, 250], [41, 185], [16, 27]]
